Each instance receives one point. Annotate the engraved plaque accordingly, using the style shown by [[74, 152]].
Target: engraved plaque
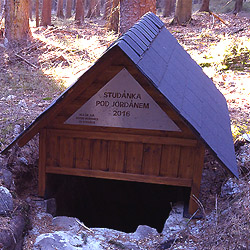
[[123, 103]]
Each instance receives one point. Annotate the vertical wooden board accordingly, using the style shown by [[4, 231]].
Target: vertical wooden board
[[67, 152], [134, 153], [83, 151], [99, 155], [170, 160], [151, 159], [51, 151], [116, 156], [186, 165], [42, 162], [197, 175]]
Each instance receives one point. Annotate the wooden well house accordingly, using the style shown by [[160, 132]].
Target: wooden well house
[[144, 112]]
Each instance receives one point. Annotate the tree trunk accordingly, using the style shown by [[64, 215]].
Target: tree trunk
[[113, 17], [183, 11], [146, 6], [107, 9], [79, 17], [17, 29], [168, 8], [132, 10], [238, 6], [205, 6], [37, 13], [31, 9], [46, 13], [59, 11], [94, 9], [68, 9]]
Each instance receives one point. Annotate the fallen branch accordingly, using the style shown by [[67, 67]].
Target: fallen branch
[[219, 18], [31, 64], [85, 227]]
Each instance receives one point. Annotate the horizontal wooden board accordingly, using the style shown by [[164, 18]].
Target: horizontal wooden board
[[121, 176], [125, 137]]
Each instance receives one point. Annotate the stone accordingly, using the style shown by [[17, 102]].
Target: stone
[[144, 231], [229, 188], [6, 201], [50, 206], [23, 160], [22, 104], [12, 238], [175, 221], [6, 177], [66, 240], [10, 97], [66, 223], [17, 130], [246, 137]]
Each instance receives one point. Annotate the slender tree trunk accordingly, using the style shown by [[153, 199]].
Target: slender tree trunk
[[17, 29], [37, 13], [238, 6], [46, 13], [183, 11], [59, 11], [146, 6], [68, 9], [205, 6], [94, 9], [168, 8], [30, 8], [113, 19], [107, 9], [132, 10], [79, 17]]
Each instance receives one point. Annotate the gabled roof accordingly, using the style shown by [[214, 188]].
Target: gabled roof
[[159, 57]]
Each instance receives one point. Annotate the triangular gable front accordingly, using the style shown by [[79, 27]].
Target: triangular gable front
[[123, 103]]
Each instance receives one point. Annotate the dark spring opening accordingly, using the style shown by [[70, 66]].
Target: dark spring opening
[[120, 205]]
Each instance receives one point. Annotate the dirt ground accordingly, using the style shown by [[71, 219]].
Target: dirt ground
[[33, 75]]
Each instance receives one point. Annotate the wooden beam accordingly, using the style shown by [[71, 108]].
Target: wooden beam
[[42, 162], [124, 137], [197, 175], [121, 176]]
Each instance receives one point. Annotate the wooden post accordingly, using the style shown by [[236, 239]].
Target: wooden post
[[197, 174], [42, 162]]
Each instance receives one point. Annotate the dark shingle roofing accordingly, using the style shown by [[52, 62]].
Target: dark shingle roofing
[[159, 56], [181, 80]]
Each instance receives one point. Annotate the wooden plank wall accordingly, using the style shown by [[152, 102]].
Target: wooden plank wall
[[168, 157]]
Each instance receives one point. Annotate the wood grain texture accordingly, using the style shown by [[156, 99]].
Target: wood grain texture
[[134, 154], [121, 176], [99, 155], [52, 150], [42, 162], [83, 153], [186, 165], [116, 156], [197, 175], [67, 152], [126, 137], [151, 159], [170, 161]]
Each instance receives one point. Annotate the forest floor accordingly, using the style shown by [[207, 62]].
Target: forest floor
[[31, 76]]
